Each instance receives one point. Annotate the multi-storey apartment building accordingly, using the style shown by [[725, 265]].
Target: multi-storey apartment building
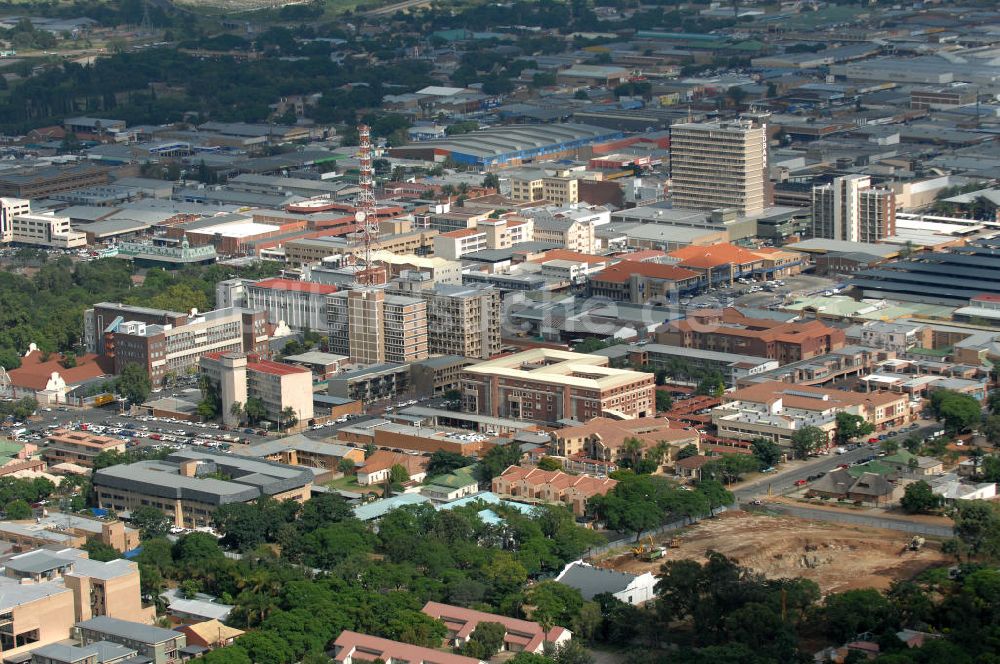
[[277, 385], [300, 304], [167, 342], [486, 234], [851, 209], [463, 320], [720, 164], [529, 185], [549, 385], [373, 327]]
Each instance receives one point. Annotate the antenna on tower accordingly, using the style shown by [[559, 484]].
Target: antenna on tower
[[146, 25], [366, 214]]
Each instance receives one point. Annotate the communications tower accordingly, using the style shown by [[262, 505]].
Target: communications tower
[[366, 214]]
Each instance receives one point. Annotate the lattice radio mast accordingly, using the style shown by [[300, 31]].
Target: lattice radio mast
[[366, 214]]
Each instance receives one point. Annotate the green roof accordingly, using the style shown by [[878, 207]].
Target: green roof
[[9, 448], [455, 479], [901, 457], [874, 467]]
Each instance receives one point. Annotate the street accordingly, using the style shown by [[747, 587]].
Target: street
[[778, 483]]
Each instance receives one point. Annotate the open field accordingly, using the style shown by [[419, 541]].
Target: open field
[[837, 557]]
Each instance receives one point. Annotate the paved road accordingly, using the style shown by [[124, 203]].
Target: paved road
[[778, 483], [395, 7], [871, 520]]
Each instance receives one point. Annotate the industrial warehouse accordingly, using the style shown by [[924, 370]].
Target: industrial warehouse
[[511, 146]]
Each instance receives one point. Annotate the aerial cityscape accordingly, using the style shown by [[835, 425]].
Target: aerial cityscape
[[499, 332]]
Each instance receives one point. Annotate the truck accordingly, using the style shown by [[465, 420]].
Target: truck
[[17, 433]]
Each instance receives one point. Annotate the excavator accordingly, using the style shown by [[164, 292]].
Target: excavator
[[649, 551]]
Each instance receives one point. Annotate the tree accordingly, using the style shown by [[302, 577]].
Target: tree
[[958, 411], [485, 641], [808, 440], [717, 495], [918, 498], [663, 401], [687, 451], [491, 181], [890, 446], [552, 604], [977, 528], [549, 463], [134, 383], [346, 466], [712, 385], [767, 452], [850, 426], [150, 521], [993, 402], [398, 474], [18, 510], [255, 410], [288, 418], [730, 467], [98, 550], [442, 463], [990, 428], [850, 613], [69, 360], [236, 410], [497, 460]]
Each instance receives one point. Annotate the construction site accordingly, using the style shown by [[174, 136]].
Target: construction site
[[837, 557]]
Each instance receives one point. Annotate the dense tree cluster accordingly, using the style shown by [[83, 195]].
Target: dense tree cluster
[[47, 308], [640, 503]]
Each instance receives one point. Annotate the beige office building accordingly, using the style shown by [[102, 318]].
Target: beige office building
[[721, 164], [463, 320], [44, 592], [372, 327], [851, 209]]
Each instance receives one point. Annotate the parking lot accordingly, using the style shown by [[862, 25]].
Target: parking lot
[[763, 295]]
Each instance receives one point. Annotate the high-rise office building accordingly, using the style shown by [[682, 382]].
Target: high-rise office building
[[720, 164], [463, 320], [372, 327], [851, 209]]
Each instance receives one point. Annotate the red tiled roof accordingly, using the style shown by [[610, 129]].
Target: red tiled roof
[[364, 648], [276, 368], [33, 374], [620, 272], [277, 283], [714, 255], [463, 232]]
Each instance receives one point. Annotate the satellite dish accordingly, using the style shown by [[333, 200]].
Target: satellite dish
[[359, 216]]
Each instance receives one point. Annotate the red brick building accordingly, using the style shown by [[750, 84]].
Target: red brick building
[[729, 331]]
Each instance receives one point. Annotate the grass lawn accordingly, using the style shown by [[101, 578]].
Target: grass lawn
[[350, 483]]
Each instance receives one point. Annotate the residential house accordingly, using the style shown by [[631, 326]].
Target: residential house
[[592, 581], [378, 467], [519, 635], [548, 486]]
